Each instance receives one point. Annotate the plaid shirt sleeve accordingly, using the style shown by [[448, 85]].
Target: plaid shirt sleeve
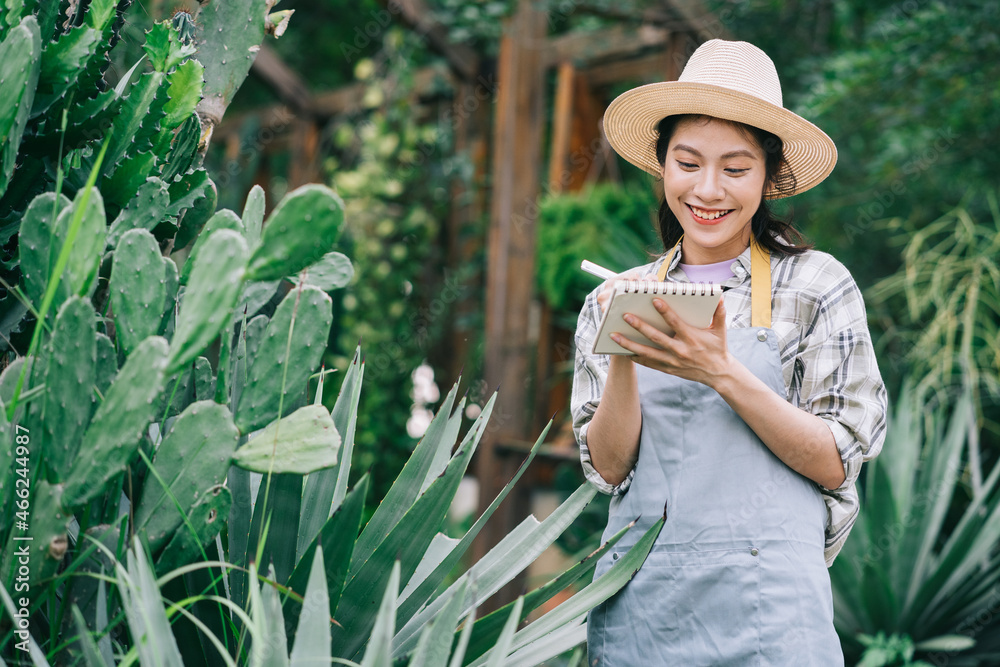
[[590, 375], [836, 378]]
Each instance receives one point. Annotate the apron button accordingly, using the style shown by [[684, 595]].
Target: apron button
[[614, 556], [753, 552], [762, 335]]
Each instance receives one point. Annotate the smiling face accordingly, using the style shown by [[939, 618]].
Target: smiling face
[[713, 181]]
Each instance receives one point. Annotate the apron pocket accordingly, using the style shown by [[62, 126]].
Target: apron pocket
[[685, 608]]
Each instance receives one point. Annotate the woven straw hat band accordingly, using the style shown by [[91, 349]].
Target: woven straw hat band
[[731, 80]]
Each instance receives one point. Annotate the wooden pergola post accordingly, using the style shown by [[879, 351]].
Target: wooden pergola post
[[517, 141]]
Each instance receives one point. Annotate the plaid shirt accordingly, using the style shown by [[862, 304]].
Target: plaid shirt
[[827, 361]]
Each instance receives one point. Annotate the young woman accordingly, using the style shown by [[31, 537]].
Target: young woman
[[748, 435]]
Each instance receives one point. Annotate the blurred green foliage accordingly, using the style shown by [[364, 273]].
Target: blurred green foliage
[[395, 169], [611, 225]]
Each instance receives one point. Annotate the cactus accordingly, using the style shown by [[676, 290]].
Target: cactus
[[303, 442], [332, 272], [289, 352], [300, 230], [207, 517], [145, 210], [19, 66], [112, 439], [138, 288], [224, 219], [215, 285], [193, 456], [86, 247], [253, 215], [37, 228], [69, 380]]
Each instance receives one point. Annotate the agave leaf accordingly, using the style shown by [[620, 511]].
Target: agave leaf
[[378, 653], [91, 654], [345, 522], [37, 656], [312, 641], [303, 442], [272, 649], [440, 435], [594, 594], [500, 650], [355, 612], [512, 554], [321, 499], [435, 642], [275, 519], [549, 646], [458, 657], [147, 622], [489, 627]]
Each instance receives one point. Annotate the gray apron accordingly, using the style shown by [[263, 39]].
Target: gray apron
[[737, 574]]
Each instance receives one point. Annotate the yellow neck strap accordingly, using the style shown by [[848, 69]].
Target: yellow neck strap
[[760, 281]]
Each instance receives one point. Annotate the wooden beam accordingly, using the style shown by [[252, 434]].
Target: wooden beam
[[585, 48], [647, 69], [285, 82], [517, 138]]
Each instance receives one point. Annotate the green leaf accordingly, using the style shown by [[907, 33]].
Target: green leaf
[[164, 48], [88, 246], [91, 655], [345, 521], [332, 272], [138, 289], [270, 649], [213, 289], [594, 594], [303, 442], [184, 89], [194, 456], [379, 653], [128, 177], [146, 210], [112, 438], [227, 34], [312, 641], [435, 642], [194, 195], [950, 643], [499, 653], [302, 229], [135, 111], [320, 498], [62, 63], [288, 354], [20, 56], [147, 622]]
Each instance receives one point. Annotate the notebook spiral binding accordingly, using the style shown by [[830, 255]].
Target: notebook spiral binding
[[657, 287]]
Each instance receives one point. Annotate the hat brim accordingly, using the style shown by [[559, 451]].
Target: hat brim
[[631, 119]]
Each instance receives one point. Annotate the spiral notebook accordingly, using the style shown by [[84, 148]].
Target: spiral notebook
[[694, 302]]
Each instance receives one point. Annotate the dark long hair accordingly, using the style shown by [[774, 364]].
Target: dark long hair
[[773, 233]]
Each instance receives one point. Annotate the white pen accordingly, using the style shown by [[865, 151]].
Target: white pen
[[597, 270]]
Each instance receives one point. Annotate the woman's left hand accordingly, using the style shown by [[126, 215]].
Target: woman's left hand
[[691, 353]]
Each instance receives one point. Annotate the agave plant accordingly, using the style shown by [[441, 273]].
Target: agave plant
[[904, 583]]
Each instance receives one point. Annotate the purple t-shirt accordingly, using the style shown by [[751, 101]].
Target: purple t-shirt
[[709, 273]]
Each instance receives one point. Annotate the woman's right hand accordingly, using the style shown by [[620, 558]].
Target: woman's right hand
[[608, 288]]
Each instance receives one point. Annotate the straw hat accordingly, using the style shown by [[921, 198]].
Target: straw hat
[[731, 80]]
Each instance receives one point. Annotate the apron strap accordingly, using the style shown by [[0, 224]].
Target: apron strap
[[760, 281]]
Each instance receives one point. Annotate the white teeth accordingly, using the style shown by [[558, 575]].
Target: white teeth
[[707, 215]]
